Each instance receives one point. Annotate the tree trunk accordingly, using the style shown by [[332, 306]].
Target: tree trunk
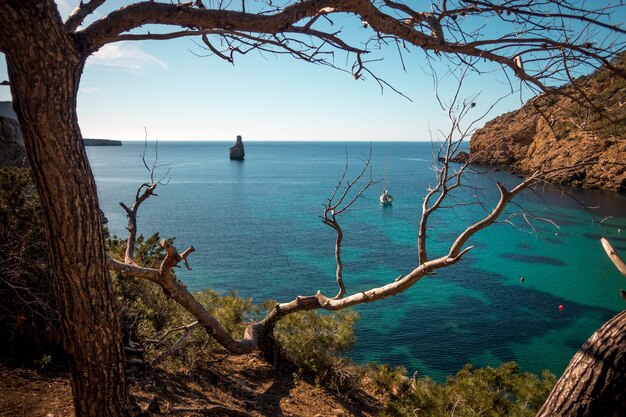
[[594, 382], [45, 66]]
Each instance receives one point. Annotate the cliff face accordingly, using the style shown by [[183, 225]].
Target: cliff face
[[585, 125], [12, 151]]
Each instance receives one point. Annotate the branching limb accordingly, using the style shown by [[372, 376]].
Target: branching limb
[[79, 14], [131, 212], [145, 191], [333, 208], [170, 350], [458, 110], [505, 197]]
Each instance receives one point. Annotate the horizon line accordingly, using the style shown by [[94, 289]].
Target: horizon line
[[268, 140]]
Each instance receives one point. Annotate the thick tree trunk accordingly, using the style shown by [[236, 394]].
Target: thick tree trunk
[[594, 382], [44, 70]]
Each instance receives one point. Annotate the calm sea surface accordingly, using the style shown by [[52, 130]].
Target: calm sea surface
[[256, 228]]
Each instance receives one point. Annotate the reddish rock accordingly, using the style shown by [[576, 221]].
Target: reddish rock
[[559, 130]]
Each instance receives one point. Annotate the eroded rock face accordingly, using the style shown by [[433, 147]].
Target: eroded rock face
[[555, 131], [12, 151], [236, 151]]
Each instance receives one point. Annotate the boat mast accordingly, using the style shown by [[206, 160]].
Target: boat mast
[[385, 177]]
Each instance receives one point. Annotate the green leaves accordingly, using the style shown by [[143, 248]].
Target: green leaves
[[312, 340], [493, 392]]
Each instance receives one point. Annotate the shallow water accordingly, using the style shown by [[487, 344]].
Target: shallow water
[[256, 228]]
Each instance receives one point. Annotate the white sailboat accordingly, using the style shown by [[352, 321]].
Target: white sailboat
[[385, 198]]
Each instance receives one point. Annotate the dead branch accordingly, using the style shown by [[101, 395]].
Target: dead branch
[[458, 110], [155, 406], [144, 191], [333, 208], [614, 256], [616, 259], [79, 14], [131, 212], [170, 350]]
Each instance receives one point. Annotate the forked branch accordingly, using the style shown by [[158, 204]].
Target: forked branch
[[335, 207]]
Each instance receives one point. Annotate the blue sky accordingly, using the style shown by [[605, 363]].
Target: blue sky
[[176, 95]]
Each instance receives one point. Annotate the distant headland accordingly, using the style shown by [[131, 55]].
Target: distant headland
[[102, 142]]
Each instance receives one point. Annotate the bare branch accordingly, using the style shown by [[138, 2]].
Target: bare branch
[[170, 350], [614, 256], [79, 14], [144, 191], [158, 36], [333, 209]]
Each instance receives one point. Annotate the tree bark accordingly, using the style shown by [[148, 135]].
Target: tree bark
[[45, 66], [594, 382]]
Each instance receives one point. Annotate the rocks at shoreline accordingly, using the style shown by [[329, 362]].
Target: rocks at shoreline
[[237, 152], [461, 158]]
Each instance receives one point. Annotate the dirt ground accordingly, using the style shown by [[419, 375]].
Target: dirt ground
[[240, 383]]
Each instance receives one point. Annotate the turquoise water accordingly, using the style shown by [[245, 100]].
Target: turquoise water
[[256, 228]]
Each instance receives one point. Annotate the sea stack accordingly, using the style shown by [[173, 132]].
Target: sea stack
[[236, 151]]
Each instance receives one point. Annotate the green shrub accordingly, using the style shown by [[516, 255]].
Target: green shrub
[[387, 379], [312, 340], [492, 392]]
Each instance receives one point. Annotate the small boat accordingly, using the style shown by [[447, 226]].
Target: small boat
[[385, 198]]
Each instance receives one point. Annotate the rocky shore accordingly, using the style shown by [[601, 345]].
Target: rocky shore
[[583, 126]]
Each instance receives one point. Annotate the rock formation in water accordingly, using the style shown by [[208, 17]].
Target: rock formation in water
[[236, 151], [461, 158], [560, 130]]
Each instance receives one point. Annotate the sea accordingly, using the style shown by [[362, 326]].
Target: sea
[[532, 289]]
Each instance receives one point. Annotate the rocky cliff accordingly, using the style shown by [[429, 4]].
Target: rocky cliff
[[12, 151], [583, 125]]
